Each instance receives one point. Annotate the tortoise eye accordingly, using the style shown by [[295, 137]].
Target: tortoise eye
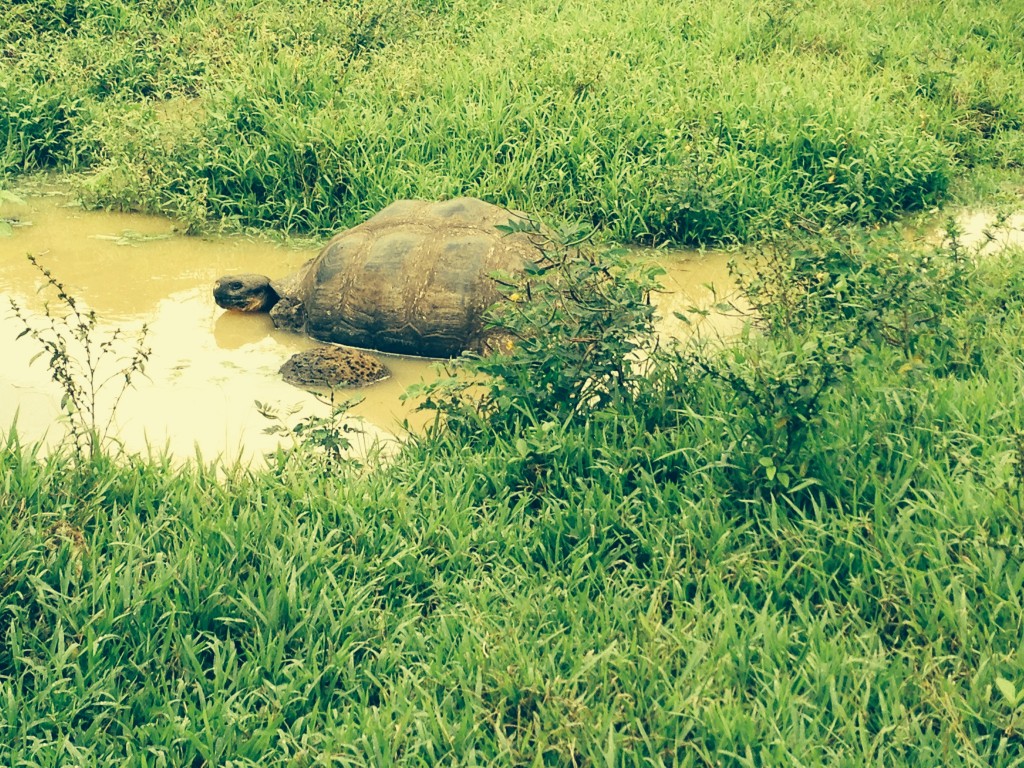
[[235, 286]]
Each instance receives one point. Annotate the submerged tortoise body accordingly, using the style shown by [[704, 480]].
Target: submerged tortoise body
[[413, 279]]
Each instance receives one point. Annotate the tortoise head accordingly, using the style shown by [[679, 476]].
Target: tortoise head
[[245, 293]]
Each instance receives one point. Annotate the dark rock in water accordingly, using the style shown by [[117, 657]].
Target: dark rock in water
[[333, 367]]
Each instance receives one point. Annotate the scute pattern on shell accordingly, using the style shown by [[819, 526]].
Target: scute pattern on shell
[[414, 279]]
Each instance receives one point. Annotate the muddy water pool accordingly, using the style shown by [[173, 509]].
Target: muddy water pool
[[208, 367]]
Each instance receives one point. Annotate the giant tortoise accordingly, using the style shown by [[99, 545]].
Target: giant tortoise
[[414, 279]]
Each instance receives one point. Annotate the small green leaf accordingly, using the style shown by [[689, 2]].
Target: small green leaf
[[6, 230], [1008, 689]]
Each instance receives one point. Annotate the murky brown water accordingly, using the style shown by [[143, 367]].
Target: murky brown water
[[979, 231], [697, 280], [208, 366]]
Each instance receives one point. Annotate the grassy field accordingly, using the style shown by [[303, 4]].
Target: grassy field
[[692, 122], [806, 548], [802, 548]]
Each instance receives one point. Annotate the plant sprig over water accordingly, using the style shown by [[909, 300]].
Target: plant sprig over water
[[93, 367], [320, 440]]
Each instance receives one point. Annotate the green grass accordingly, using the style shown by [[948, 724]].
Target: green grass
[[627, 589], [700, 123], [805, 548]]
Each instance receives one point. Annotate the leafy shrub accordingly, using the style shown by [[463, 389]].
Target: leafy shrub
[[38, 127], [572, 335], [869, 288], [778, 388], [823, 310]]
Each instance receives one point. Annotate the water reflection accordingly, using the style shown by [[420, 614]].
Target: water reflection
[[233, 330]]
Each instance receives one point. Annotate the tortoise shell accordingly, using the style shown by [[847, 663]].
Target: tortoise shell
[[413, 279]]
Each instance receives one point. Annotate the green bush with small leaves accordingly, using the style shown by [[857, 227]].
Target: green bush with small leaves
[[573, 334]]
